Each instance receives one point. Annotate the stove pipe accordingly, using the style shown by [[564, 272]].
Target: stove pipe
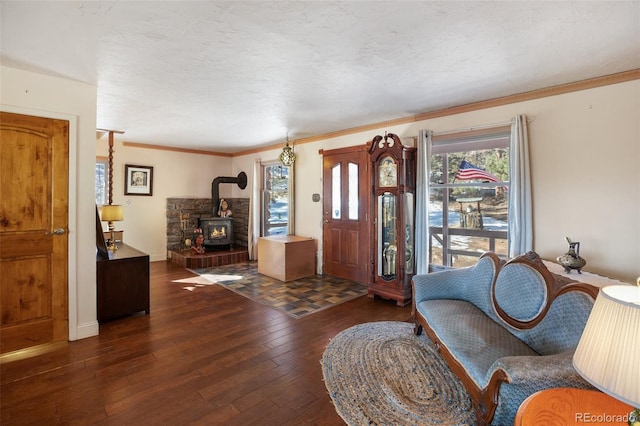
[[241, 180]]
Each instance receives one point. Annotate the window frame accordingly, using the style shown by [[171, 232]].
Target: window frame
[[463, 142], [266, 194], [104, 185]]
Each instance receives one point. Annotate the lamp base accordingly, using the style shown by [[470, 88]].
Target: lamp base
[[112, 242]]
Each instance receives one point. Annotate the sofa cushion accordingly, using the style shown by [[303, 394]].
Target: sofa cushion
[[475, 340]]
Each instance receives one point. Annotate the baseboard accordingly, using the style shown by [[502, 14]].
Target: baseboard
[[87, 330]]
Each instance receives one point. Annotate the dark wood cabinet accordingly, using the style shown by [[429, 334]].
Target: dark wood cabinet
[[123, 283], [393, 179]]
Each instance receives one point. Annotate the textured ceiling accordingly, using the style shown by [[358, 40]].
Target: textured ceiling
[[231, 75]]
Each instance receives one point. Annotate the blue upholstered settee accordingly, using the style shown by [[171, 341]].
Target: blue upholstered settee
[[506, 330]]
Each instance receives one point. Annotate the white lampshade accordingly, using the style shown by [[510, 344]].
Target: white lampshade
[[608, 354], [112, 213]]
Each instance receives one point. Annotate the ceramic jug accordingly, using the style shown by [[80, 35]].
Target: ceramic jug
[[571, 259]]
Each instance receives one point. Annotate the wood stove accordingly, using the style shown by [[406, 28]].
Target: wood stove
[[217, 231]]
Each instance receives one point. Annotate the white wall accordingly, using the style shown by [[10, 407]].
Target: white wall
[[585, 151], [39, 95], [585, 169], [175, 174], [587, 179]]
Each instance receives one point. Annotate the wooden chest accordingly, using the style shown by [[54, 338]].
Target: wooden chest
[[286, 257]]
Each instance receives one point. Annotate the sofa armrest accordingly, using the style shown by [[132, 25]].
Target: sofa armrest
[[552, 369], [440, 285], [455, 283], [527, 375]]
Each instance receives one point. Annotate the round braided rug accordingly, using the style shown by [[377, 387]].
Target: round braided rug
[[381, 373]]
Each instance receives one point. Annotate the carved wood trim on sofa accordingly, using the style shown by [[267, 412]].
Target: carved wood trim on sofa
[[556, 285]]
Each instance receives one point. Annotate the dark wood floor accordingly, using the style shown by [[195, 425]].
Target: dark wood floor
[[209, 357]]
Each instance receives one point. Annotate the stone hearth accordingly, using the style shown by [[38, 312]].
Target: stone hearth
[[186, 259], [197, 208]]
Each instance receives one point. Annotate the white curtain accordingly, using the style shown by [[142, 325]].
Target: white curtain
[[254, 211], [422, 202], [520, 209]]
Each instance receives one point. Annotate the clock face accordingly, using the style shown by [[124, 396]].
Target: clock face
[[387, 172]]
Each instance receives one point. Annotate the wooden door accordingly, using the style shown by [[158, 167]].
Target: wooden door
[[346, 188], [34, 180]]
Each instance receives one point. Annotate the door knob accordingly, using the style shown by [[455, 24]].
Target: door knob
[[58, 231]]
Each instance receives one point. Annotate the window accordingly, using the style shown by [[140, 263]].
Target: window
[[353, 184], [102, 181], [276, 199], [468, 200], [336, 192]]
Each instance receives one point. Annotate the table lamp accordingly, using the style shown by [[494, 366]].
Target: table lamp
[[112, 213], [608, 354]]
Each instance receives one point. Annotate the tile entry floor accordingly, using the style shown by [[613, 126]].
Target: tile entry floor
[[296, 298]]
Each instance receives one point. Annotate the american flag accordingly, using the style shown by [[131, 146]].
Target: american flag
[[468, 171]]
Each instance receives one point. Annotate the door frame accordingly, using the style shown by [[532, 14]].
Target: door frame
[[72, 249]]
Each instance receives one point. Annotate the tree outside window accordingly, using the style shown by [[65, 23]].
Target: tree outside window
[[276, 199], [102, 181]]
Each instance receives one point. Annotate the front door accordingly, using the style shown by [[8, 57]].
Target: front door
[[34, 180], [346, 188]]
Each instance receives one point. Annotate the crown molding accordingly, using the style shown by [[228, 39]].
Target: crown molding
[[459, 109]]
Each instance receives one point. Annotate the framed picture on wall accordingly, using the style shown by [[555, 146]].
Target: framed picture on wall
[[138, 180]]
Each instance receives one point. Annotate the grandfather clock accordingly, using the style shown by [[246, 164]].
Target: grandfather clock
[[393, 177]]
